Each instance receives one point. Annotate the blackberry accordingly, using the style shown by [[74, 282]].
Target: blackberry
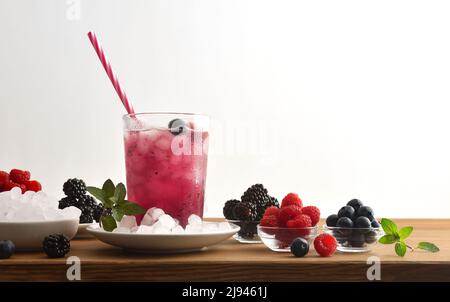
[[245, 211], [67, 202], [258, 196], [74, 187], [86, 202], [228, 209], [98, 211], [248, 229], [56, 245], [87, 215], [273, 202]]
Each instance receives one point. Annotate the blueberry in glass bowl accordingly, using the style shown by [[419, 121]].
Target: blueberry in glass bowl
[[354, 227]]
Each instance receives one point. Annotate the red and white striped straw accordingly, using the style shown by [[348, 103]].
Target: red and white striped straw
[[112, 76]]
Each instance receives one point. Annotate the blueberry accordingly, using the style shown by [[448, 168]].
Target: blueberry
[[362, 222], [7, 249], [375, 224], [344, 222], [331, 220], [355, 204], [356, 239], [365, 211], [340, 235], [177, 126], [299, 247], [346, 211], [371, 236]]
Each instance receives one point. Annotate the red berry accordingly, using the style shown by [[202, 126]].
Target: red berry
[[272, 211], [4, 178], [313, 213], [291, 199], [300, 225], [288, 213], [33, 185], [300, 221], [325, 245], [19, 176], [269, 221], [9, 185]]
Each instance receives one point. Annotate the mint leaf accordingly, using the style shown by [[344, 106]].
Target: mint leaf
[[400, 248], [120, 192], [387, 239], [389, 227], [108, 188], [428, 246], [97, 193], [117, 213], [131, 208], [405, 232], [109, 223]]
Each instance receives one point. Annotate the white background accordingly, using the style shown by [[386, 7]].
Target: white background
[[352, 96]]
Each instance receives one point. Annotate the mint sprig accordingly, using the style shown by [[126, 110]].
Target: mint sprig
[[113, 197], [394, 235]]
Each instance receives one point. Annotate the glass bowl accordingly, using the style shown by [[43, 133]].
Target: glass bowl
[[248, 232], [354, 240], [279, 239]]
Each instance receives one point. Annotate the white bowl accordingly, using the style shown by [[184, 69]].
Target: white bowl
[[30, 235], [162, 243]]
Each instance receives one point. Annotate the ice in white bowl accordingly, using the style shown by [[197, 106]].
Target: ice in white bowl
[[31, 206], [26, 219]]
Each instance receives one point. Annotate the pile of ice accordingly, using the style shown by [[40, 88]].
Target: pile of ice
[[155, 221], [31, 206]]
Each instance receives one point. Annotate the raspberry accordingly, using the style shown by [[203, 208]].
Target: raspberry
[[19, 176], [272, 211], [4, 178], [313, 213], [33, 185], [269, 221], [9, 185], [300, 225], [325, 245], [291, 199], [300, 221], [288, 213]]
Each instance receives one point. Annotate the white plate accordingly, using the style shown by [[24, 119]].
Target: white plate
[[162, 243], [29, 235], [82, 230]]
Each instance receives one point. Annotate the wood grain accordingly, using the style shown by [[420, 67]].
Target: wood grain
[[232, 261]]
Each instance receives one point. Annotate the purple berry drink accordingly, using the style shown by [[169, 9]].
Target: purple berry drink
[[166, 159]]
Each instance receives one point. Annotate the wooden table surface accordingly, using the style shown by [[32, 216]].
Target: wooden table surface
[[232, 261]]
